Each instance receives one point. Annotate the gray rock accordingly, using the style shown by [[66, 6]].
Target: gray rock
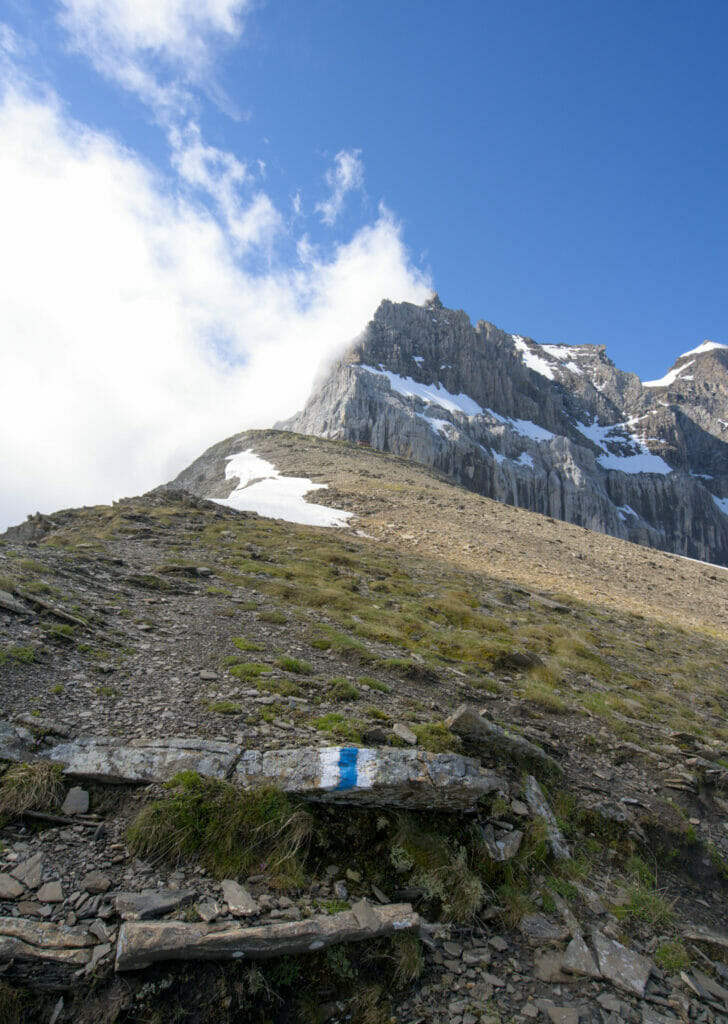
[[141, 944], [10, 888], [11, 604], [208, 910], [30, 872], [579, 960], [51, 892], [539, 929], [239, 901], [404, 733], [563, 1015], [96, 882], [76, 801], [366, 776], [623, 967], [502, 847], [566, 474], [540, 809], [16, 745], [548, 967], [107, 760], [134, 906], [24, 940]]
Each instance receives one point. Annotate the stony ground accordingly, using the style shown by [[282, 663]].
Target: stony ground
[[167, 616]]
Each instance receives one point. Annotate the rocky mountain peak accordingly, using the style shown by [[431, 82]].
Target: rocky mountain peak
[[555, 428]]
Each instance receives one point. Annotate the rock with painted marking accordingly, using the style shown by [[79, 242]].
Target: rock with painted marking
[[377, 777], [143, 943], [108, 760]]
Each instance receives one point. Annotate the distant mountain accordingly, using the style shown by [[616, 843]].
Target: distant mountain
[[553, 428]]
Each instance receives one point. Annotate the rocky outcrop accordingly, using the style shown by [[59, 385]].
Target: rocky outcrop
[[552, 428]]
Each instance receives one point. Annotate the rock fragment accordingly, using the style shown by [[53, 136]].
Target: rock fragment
[[107, 760], [139, 906], [540, 809], [10, 888], [488, 738], [239, 901], [30, 872], [143, 943], [76, 802], [623, 967]]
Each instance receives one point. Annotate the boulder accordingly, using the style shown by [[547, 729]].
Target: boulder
[[386, 777], [141, 944], [108, 760], [490, 739], [623, 967]]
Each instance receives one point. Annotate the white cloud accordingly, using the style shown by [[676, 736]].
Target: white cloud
[[155, 48], [222, 176], [345, 176], [131, 336]]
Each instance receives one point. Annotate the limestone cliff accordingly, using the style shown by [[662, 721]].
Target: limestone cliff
[[553, 428]]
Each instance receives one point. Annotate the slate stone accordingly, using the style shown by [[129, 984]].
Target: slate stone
[[30, 872], [96, 882], [105, 759], [240, 902], [540, 809], [623, 967], [139, 906], [76, 802], [10, 888], [539, 929], [578, 959], [51, 892], [403, 732]]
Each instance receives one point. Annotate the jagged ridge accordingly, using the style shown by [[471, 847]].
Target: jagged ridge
[[556, 429]]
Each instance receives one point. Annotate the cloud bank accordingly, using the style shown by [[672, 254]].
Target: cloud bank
[[133, 335]]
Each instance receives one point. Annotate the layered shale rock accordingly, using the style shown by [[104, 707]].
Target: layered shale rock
[[553, 428]]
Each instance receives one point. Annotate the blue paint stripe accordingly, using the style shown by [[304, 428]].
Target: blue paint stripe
[[347, 767]]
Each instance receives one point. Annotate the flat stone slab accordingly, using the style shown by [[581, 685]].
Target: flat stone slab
[[16, 744], [623, 967], [138, 906], [34, 940], [10, 888], [578, 959], [76, 801], [492, 739], [30, 872], [108, 760], [370, 776], [143, 943]]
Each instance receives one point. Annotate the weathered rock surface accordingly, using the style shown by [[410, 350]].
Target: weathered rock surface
[[491, 739], [556, 429], [375, 777], [539, 807], [623, 967], [141, 944], [110, 760], [134, 906]]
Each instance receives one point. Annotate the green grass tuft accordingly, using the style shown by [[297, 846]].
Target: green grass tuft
[[230, 831]]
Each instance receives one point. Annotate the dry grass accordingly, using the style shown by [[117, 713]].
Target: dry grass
[[31, 787]]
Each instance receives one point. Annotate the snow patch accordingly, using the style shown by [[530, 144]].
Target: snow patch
[[641, 460], [525, 460], [670, 377], [722, 504], [626, 510], [532, 361], [564, 354], [418, 359], [523, 427], [434, 394], [707, 346], [262, 489]]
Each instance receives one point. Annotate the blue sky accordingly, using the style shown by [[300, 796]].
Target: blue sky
[[204, 199]]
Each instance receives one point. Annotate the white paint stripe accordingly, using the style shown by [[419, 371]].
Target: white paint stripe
[[329, 767], [366, 768]]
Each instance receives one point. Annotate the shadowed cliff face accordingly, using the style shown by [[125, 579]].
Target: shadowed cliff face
[[552, 428]]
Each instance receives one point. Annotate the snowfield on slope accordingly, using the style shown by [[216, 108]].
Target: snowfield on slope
[[261, 488]]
